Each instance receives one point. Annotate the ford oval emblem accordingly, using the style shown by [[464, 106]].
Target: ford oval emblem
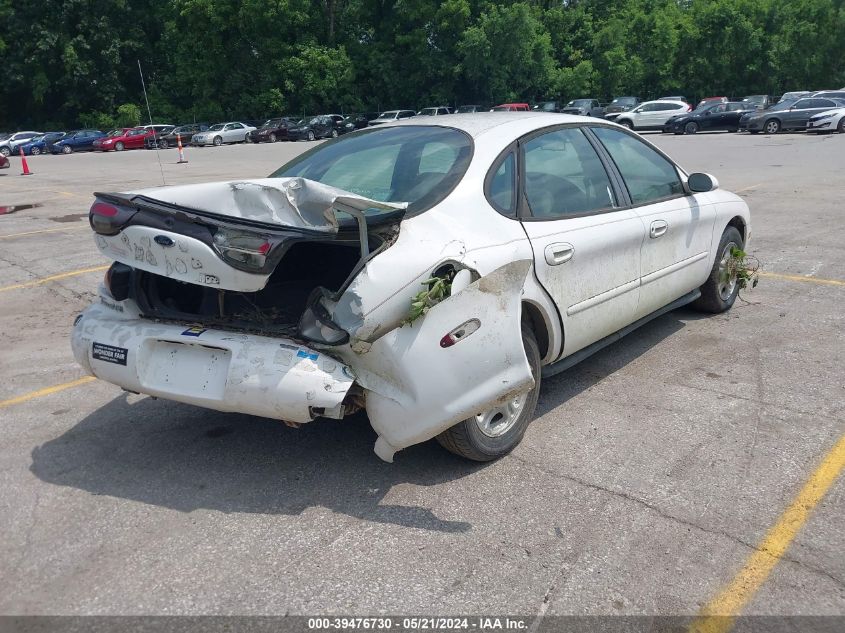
[[163, 240]]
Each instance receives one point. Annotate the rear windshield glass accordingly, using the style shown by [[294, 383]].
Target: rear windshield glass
[[416, 164]]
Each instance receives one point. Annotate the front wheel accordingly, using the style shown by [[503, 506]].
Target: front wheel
[[334, 133], [67, 149], [691, 128], [311, 136], [841, 127], [720, 290], [495, 433], [628, 124], [118, 147], [272, 138], [5, 151], [163, 144], [217, 141], [772, 126], [35, 151]]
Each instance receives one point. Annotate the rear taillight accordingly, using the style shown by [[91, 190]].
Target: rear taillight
[[242, 248], [108, 219], [689, 108]]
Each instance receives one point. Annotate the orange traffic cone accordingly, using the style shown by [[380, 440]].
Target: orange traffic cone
[[25, 167], [182, 158]]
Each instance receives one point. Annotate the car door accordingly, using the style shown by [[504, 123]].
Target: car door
[[714, 118], [678, 226], [586, 246], [798, 115], [815, 106], [645, 116]]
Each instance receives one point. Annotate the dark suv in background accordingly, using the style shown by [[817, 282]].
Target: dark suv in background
[[620, 105]]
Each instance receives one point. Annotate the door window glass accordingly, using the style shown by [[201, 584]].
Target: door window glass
[[564, 176], [502, 188], [647, 174]]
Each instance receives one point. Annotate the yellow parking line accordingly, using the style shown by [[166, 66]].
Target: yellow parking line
[[56, 230], [812, 280], [45, 280], [749, 188], [717, 616], [46, 391]]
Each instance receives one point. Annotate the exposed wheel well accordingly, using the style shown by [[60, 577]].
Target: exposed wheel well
[[532, 317], [739, 223]]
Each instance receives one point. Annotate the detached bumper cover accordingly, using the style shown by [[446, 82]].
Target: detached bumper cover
[[225, 371]]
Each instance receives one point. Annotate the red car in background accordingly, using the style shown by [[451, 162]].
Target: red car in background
[[511, 107], [4, 162], [128, 138]]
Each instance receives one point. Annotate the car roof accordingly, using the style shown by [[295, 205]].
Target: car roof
[[477, 123], [675, 101]]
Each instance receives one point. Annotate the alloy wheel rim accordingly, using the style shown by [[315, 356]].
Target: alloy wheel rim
[[499, 420], [727, 277]]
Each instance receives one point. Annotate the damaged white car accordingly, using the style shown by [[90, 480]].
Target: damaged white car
[[429, 273]]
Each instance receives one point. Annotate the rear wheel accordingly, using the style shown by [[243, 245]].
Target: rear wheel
[[719, 292], [691, 128], [494, 433], [163, 144], [5, 151], [772, 126]]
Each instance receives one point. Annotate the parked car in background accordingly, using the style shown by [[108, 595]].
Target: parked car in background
[[357, 122], [511, 107], [761, 102], [547, 106], [40, 144], [272, 130], [584, 107], [310, 129], [435, 111], [392, 115], [830, 94], [77, 141], [791, 96], [4, 162], [283, 311], [168, 139], [468, 109], [10, 145], [620, 105], [827, 121], [231, 132], [155, 133], [787, 115], [710, 100], [122, 139], [652, 115], [710, 117]]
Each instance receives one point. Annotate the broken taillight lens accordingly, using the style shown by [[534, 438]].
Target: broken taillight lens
[[108, 219], [242, 248], [460, 333]]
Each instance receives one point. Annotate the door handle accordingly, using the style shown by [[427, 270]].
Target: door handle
[[559, 253], [658, 229]]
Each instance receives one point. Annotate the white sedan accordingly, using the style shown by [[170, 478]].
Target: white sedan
[[232, 132], [428, 272], [827, 121]]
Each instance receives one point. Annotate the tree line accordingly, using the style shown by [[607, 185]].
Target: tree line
[[65, 63]]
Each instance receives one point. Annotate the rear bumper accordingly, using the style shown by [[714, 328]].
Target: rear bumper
[[269, 377]]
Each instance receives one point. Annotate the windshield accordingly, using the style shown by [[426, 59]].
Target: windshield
[[756, 99], [546, 106], [416, 164], [35, 139], [389, 115], [465, 109], [116, 133], [783, 105], [428, 111], [272, 123], [215, 128], [624, 100], [136, 132], [580, 102]]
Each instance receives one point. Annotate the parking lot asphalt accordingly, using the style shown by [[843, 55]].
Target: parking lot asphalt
[[650, 478]]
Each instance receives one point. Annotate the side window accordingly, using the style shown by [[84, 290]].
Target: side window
[[801, 104], [719, 109], [647, 174], [649, 107], [564, 176], [501, 187]]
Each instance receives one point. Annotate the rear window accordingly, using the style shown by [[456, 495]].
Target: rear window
[[419, 165]]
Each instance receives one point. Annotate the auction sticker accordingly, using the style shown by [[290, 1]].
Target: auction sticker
[[109, 353]]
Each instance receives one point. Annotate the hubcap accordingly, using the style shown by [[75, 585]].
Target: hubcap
[[500, 420], [771, 128], [727, 277]]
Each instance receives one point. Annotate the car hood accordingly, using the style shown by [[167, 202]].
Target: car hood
[[290, 202]]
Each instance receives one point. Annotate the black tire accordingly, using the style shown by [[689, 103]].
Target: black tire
[[119, 146], [5, 151], [466, 438], [841, 127], [311, 136], [714, 297], [628, 124], [691, 128], [772, 126], [217, 141], [163, 144], [273, 138], [67, 149], [35, 151], [334, 133]]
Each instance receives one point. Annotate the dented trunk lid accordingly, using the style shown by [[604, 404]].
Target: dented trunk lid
[[228, 235]]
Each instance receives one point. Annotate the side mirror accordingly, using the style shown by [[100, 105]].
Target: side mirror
[[701, 183]]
